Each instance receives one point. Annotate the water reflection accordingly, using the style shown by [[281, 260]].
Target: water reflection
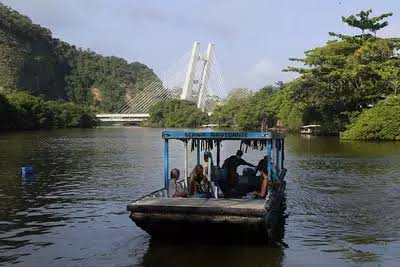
[[194, 254], [344, 196], [31, 208]]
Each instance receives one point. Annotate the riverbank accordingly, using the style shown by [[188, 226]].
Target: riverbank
[[22, 111]]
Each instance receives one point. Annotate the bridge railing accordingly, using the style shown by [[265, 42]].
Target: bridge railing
[[143, 115]]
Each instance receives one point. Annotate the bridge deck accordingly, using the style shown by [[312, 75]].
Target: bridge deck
[[122, 117]]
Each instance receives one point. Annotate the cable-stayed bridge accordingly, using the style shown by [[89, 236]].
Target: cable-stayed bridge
[[195, 76]]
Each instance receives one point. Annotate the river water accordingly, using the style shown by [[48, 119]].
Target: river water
[[343, 202]]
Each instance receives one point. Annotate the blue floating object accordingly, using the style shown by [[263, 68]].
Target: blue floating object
[[27, 172]]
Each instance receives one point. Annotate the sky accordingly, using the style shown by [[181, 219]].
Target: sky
[[253, 38]]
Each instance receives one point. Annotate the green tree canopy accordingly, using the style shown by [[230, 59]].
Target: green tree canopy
[[344, 76], [177, 113], [224, 114], [363, 22], [23, 111], [382, 122]]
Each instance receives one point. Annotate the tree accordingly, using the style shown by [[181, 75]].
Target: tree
[[390, 73], [382, 122], [224, 113], [346, 75], [363, 22], [32, 111], [23, 111], [176, 113], [7, 114]]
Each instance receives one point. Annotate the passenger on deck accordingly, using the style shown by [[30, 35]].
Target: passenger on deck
[[264, 184], [230, 170], [175, 188], [198, 182], [263, 164]]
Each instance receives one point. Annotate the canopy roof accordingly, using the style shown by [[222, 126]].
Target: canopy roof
[[208, 135], [311, 126]]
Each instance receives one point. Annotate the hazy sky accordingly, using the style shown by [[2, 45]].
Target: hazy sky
[[253, 39]]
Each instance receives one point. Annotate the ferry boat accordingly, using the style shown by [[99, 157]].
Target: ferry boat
[[217, 217], [313, 129]]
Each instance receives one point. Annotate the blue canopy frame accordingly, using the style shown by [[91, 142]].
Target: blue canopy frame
[[274, 140]]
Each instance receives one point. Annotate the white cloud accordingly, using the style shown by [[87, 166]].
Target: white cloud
[[266, 72]]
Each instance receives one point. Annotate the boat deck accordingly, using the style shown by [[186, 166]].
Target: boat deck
[[238, 207]]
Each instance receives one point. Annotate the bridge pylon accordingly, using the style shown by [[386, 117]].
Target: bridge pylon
[[201, 102], [190, 73], [195, 77], [203, 74]]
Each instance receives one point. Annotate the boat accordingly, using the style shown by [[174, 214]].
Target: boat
[[217, 217], [312, 129]]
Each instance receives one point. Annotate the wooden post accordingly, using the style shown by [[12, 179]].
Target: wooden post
[[283, 153], [218, 153], [269, 144], [166, 164], [186, 174], [278, 148], [198, 152]]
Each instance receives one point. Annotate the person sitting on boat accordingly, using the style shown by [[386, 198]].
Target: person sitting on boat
[[175, 188], [230, 169], [263, 164], [198, 182], [263, 187]]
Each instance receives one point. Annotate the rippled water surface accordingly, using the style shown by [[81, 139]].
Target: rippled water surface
[[343, 202]]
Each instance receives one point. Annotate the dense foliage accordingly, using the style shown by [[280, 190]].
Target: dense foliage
[[382, 122], [225, 115], [176, 113], [30, 59], [349, 73], [336, 82], [246, 110], [22, 111]]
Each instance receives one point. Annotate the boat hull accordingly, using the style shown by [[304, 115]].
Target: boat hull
[[210, 219], [201, 226]]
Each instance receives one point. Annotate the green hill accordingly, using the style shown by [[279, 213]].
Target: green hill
[[32, 60]]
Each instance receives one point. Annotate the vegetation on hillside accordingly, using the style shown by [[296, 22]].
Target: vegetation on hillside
[[336, 82], [32, 60], [176, 113], [22, 111], [382, 122]]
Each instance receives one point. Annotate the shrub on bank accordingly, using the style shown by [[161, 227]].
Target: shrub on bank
[[70, 115], [6, 114], [382, 122], [22, 111]]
